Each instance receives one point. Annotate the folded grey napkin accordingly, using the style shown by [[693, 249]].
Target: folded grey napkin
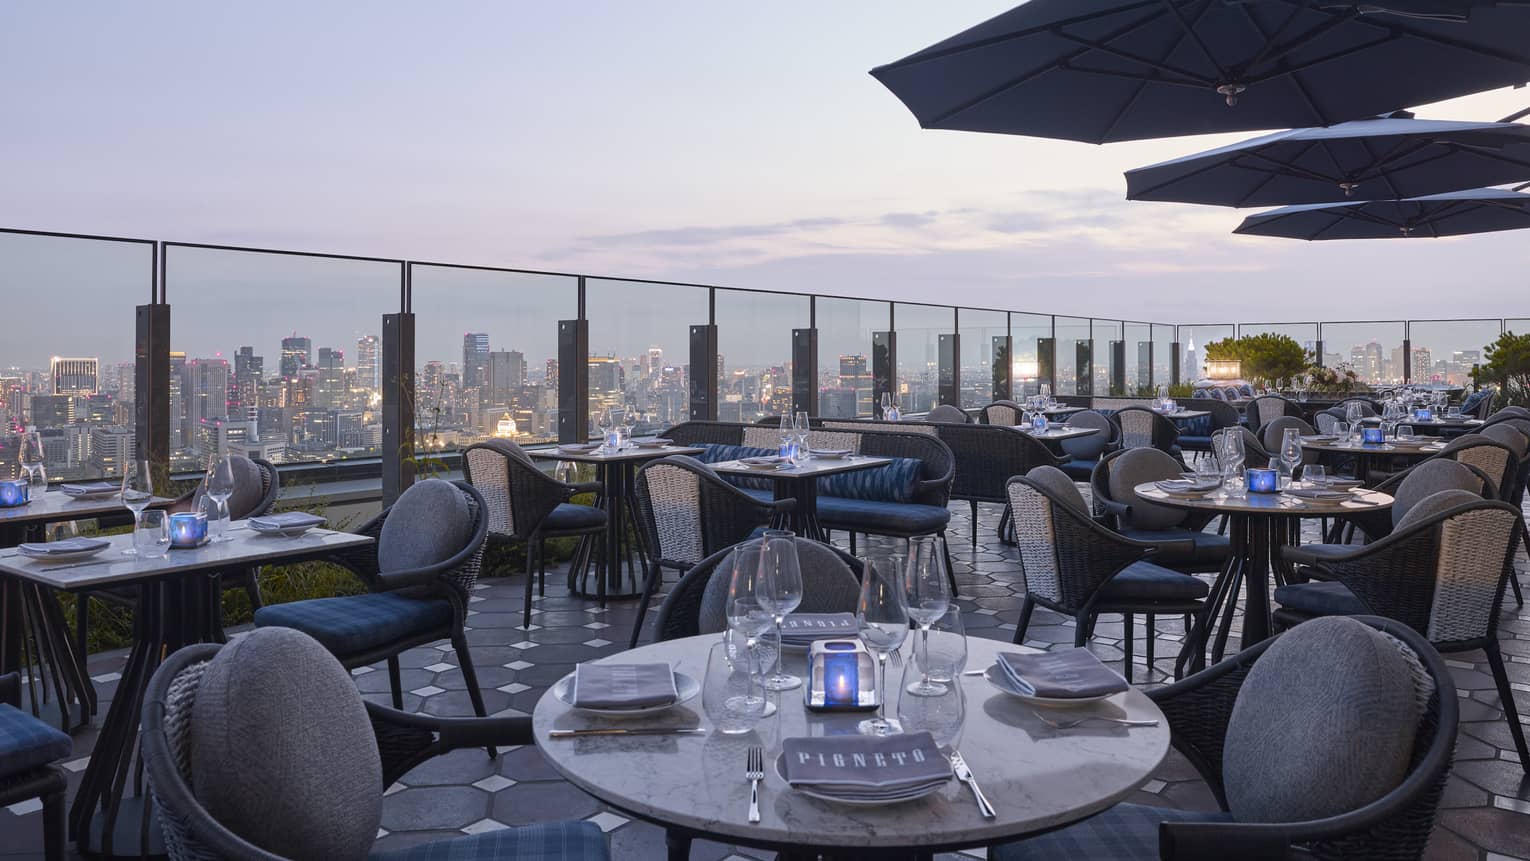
[[68, 545], [767, 460], [1182, 485], [579, 446], [90, 489], [1066, 674], [286, 520], [624, 686], [1323, 493], [804, 628], [830, 452], [863, 766], [653, 441]]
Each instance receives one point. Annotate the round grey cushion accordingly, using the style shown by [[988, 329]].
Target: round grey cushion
[[1092, 446], [429, 524], [947, 414], [249, 489], [1428, 479], [1055, 480], [1270, 433], [282, 752], [1508, 435], [828, 586], [1324, 723], [1433, 504], [1137, 466]]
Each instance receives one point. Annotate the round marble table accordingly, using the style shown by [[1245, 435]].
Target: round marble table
[[1258, 526], [1037, 778]]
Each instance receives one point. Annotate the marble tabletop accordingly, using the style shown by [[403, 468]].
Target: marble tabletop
[[1268, 503], [1423, 448], [1053, 432], [1036, 777], [601, 455], [812, 466], [55, 505]]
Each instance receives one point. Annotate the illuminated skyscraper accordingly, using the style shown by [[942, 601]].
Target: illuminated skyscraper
[[297, 353], [75, 376], [330, 388], [368, 368], [475, 358], [248, 371]]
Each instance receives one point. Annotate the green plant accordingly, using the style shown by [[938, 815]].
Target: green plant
[[1506, 364], [1340, 380], [1267, 359]]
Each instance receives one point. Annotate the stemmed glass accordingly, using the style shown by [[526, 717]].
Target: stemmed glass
[[1230, 456], [219, 484], [778, 587], [882, 619], [747, 618], [137, 493], [928, 594], [800, 428], [1291, 450], [629, 421], [31, 458], [604, 421], [886, 403], [787, 431]]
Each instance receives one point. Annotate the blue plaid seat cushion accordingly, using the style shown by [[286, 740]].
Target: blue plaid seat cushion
[[894, 482], [1126, 832], [354, 624], [26, 742], [553, 841], [1473, 400]]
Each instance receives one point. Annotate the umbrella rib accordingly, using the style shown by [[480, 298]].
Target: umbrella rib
[[1273, 53], [1338, 219], [1489, 153], [1137, 92], [1269, 39], [979, 44], [1399, 28], [1194, 36], [1384, 177], [1187, 75], [1283, 71]]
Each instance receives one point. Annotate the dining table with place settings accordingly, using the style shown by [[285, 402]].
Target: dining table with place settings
[[1037, 767], [1367, 455], [797, 479]]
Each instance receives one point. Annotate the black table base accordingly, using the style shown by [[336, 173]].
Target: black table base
[[619, 501], [802, 519], [1255, 541], [35, 638]]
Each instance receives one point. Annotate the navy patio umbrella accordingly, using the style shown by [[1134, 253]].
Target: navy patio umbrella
[[1389, 158], [1115, 70], [1479, 210]]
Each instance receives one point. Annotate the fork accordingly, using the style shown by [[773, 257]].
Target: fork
[[754, 772], [1070, 724], [964, 774]]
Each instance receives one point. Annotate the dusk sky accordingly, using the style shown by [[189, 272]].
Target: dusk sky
[[713, 142]]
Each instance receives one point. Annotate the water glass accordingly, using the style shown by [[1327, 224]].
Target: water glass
[[882, 618], [1341, 431], [730, 694], [943, 656], [778, 588], [1315, 475], [151, 536], [1405, 432], [942, 715]]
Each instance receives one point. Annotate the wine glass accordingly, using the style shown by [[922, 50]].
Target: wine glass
[[31, 458], [942, 715], [1231, 455], [886, 403], [786, 431], [928, 594], [778, 587], [882, 619], [604, 422], [219, 484], [801, 428], [137, 493], [629, 421], [1291, 450], [748, 620]]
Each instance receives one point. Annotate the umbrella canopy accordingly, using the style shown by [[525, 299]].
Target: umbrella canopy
[[1381, 158], [1115, 70], [1480, 210]]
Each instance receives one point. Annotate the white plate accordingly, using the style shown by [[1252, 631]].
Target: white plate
[[996, 677], [62, 557], [856, 802], [831, 455], [685, 686]]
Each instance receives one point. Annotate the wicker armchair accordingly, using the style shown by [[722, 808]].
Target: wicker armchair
[[947, 414], [1140, 427], [527, 506], [1262, 409], [426, 555], [1073, 565], [985, 457], [403, 741], [1001, 413], [1184, 545], [28, 750], [1201, 711], [1411, 486], [1223, 415], [247, 501], [1254, 452], [687, 513], [1443, 575]]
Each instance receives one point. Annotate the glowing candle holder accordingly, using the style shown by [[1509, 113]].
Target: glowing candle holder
[[1373, 436], [188, 530], [1423, 414], [841, 677], [1263, 480], [15, 493]]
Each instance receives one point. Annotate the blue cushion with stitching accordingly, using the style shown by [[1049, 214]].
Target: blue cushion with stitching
[[1144, 581], [26, 742], [568, 516], [1320, 598], [548, 841], [893, 482], [353, 624]]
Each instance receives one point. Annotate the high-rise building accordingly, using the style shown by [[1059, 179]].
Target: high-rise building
[[506, 377], [207, 383], [249, 369], [75, 376], [368, 366], [1422, 369], [330, 390], [180, 437], [110, 448], [550, 376], [52, 411], [297, 353], [475, 358]]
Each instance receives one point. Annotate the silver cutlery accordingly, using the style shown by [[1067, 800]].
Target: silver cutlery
[[1070, 724], [964, 774], [580, 733], [754, 772]]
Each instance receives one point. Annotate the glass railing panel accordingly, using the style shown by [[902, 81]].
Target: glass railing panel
[[1075, 357], [1444, 351], [66, 367], [1192, 345], [486, 351], [1374, 350], [978, 328], [754, 347], [1026, 331], [845, 328], [275, 355], [640, 343], [1163, 354], [919, 329], [1139, 360], [1105, 333]]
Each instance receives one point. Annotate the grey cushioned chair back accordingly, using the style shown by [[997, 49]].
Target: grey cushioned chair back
[[1366, 408], [1058, 482], [1430, 478], [1290, 752], [251, 483], [1270, 432], [1223, 414], [947, 414], [1435, 503], [430, 523], [1092, 446], [828, 586], [1253, 450], [1509, 436], [1138, 466]]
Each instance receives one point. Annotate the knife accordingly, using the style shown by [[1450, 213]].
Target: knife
[[578, 733]]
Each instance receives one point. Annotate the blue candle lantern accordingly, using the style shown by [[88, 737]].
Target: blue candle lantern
[[841, 677], [1263, 480], [15, 492], [1423, 414], [1041, 422], [188, 530], [1373, 436]]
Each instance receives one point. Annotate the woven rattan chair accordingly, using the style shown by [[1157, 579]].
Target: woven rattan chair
[[1140, 427], [1442, 574], [687, 513], [1480, 402], [1407, 489], [28, 750], [1254, 453], [340, 793], [1204, 711], [526, 506], [1073, 565], [948, 415], [1262, 409], [1001, 413], [985, 457], [1184, 545], [1223, 415], [426, 555]]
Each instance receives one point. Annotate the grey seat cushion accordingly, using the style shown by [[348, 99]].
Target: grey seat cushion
[[1061, 485], [429, 524], [1324, 724], [1137, 466], [1435, 503], [828, 586], [1320, 598], [1092, 446], [282, 752], [1429, 478]]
